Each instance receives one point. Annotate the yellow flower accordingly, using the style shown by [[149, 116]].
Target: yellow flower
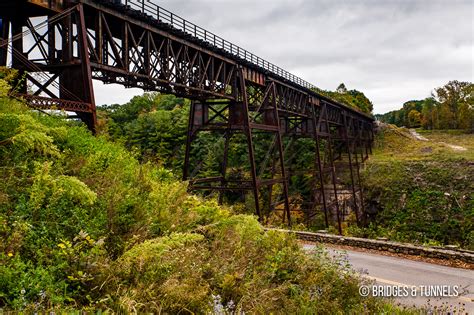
[[10, 254], [61, 245]]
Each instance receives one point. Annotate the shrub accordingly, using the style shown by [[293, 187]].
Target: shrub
[[85, 226]]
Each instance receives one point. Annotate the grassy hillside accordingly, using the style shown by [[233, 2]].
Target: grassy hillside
[[84, 225], [421, 191]]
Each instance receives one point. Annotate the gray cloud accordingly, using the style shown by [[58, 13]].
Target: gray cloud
[[392, 50]]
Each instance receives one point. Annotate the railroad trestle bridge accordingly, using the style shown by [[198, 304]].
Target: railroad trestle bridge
[[62, 46]]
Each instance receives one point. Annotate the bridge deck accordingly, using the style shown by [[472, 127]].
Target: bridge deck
[[182, 28], [256, 69]]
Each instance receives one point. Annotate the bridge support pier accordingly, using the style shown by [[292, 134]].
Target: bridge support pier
[[76, 80], [233, 119], [58, 78], [341, 135], [330, 188]]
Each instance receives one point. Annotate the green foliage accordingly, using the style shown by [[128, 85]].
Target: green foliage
[[59, 277], [26, 134], [450, 107], [351, 98], [23, 282], [163, 274], [153, 124], [7, 78], [47, 190], [237, 267], [85, 225], [419, 193], [4, 88], [414, 118]]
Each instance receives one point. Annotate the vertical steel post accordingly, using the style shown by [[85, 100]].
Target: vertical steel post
[[4, 36], [189, 139], [17, 52], [248, 134], [333, 168], [281, 155], [52, 42], [316, 126], [125, 46], [361, 191], [228, 136], [348, 146], [99, 38], [86, 91], [270, 188]]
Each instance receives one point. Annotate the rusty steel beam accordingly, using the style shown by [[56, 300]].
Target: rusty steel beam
[[45, 103]]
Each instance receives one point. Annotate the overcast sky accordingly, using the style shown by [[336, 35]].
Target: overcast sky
[[392, 50]]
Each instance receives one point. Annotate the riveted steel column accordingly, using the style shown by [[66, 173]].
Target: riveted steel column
[[316, 126], [4, 36], [281, 155], [248, 134]]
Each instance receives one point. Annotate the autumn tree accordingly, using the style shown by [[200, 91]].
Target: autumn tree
[[429, 114], [414, 118], [453, 97], [450, 107]]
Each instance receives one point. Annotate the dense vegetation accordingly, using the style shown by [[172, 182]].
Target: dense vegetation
[[421, 191], [351, 98], [418, 191], [450, 107], [85, 225], [153, 125]]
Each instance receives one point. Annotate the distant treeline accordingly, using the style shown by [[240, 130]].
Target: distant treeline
[[449, 107]]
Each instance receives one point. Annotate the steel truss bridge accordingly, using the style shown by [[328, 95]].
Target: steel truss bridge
[[60, 46]]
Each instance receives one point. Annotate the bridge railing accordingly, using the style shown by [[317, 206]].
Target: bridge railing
[[149, 8]]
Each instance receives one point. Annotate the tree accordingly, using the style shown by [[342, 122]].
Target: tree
[[466, 116], [428, 117], [451, 97], [407, 108], [351, 98], [450, 107], [341, 89], [414, 118], [154, 124], [361, 101]]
